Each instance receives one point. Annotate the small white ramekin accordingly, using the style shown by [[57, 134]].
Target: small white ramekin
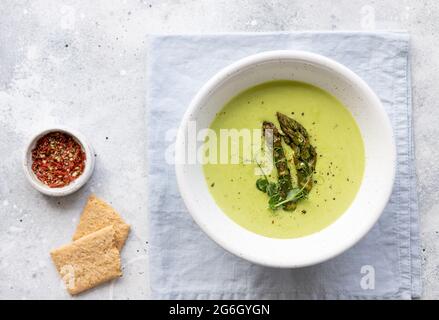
[[75, 184]]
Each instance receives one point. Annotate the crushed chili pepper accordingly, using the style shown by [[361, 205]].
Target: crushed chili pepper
[[57, 159]]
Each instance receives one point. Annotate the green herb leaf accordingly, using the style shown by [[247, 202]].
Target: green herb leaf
[[294, 195], [274, 199], [272, 189], [262, 184]]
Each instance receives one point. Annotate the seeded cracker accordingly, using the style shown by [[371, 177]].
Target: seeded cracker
[[96, 215], [89, 261]]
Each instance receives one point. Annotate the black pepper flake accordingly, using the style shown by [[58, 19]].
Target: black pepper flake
[[303, 113], [106, 138], [66, 45], [272, 221], [333, 199], [213, 184], [303, 211]]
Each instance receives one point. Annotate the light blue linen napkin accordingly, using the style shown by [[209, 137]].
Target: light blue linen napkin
[[186, 264]]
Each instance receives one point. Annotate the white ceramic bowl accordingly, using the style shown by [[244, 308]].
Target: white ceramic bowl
[[75, 184], [379, 145]]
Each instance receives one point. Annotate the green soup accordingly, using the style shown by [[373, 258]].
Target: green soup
[[340, 160]]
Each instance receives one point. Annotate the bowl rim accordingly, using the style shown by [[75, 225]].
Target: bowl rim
[[236, 67], [75, 184]]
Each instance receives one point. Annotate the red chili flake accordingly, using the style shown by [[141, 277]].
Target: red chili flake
[[57, 159]]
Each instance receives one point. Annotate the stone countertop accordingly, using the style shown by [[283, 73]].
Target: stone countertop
[[83, 64]]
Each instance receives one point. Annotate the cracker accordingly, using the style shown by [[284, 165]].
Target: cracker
[[89, 261], [96, 215]]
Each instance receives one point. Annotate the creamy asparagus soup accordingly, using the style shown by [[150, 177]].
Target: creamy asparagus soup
[[317, 158]]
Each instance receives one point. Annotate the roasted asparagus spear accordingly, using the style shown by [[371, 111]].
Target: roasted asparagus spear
[[305, 155], [284, 177]]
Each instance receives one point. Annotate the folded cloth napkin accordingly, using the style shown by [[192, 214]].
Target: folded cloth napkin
[[186, 264]]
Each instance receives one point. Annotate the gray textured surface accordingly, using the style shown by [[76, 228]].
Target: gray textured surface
[[83, 64]]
